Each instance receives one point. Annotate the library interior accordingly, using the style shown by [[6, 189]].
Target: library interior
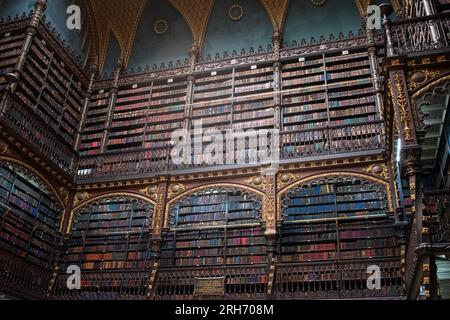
[[354, 202]]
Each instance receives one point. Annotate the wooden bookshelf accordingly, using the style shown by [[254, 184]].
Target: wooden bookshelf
[[111, 235], [52, 90], [29, 217], [215, 228], [338, 222], [10, 47], [219, 230]]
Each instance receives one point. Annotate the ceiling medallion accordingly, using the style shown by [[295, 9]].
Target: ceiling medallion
[[318, 2], [236, 12], [160, 27]]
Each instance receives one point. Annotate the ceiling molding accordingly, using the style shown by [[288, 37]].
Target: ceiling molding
[[277, 10], [196, 13]]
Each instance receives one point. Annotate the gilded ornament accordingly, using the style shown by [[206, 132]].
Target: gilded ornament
[[3, 147]]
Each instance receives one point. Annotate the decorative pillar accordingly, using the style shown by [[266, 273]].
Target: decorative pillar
[[156, 237], [270, 217], [386, 11], [87, 99], [375, 66], [277, 41], [193, 58], [14, 77], [112, 102]]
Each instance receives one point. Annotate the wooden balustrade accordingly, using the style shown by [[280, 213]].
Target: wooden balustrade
[[23, 278], [293, 145], [106, 285], [421, 34], [336, 280], [243, 282]]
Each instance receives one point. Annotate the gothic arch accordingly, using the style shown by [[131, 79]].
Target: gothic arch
[[329, 175], [88, 202], [190, 192], [36, 173]]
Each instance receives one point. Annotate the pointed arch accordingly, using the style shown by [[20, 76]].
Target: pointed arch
[[154, 49], [225, 33], [333, 174], [206, 187], [101, 197], [39, 176]]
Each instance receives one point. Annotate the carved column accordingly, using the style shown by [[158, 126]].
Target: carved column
[[277, 69], [375, 66], [87, 99], [193, 58], [386, 11], [156, 237], [270, 217], [112, 102], [14, 77]]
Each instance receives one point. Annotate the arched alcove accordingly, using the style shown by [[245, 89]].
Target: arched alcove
[[306, 20], [333, 228], [237, 26], [163, 37], [215, 232], [110, 243]]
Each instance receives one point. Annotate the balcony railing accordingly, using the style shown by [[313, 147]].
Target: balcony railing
[[421, 34], [106, 285], [306, 144], [24, 279], [336, 280], [240, 282]]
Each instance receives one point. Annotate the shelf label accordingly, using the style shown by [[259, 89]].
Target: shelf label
[[302, 59], [134, 86], [209, 286], [7, 34], [169, 80], [346, 52], [254, 67], [214, 73]]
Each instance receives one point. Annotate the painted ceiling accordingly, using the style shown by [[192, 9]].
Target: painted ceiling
[[122, 19]]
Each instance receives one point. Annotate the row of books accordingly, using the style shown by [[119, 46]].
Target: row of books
[[369, 253], [371, 233], [310, 256], [110, 265], [309, 247], [114, 224]]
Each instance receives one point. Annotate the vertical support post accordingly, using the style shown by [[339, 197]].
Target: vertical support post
[[386, 11], [112, 102], [375, 66], [14, 77], [87, 99], [193, 58], [156, 237], [277, 69]]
